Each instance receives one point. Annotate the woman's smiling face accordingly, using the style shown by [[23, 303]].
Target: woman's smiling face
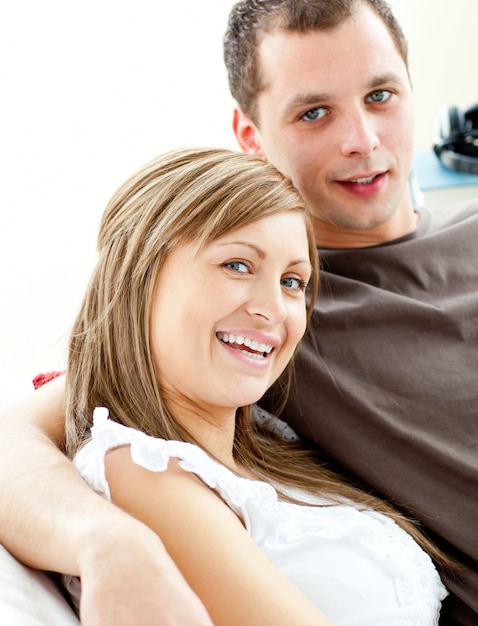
[[226, 318]]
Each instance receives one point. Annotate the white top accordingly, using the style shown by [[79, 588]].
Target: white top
[[359, 568]]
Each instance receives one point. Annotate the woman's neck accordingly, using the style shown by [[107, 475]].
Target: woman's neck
[[212, 428]]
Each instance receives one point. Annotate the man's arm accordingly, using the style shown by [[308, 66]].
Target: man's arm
[[50, 519]]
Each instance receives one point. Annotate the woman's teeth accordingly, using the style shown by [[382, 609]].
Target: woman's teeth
[[262, 349]]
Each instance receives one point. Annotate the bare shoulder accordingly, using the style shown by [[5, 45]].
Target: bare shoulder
[[209, 543], [140, 490]]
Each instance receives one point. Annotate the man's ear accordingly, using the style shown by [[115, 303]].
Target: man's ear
[[247, 134]]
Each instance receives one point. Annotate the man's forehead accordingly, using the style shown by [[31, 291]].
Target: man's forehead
[[363, 20], [285, 55]]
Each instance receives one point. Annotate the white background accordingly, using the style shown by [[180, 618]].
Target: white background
[[90, 91]]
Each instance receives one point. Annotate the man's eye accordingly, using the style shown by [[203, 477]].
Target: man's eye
[[379, 96], [297, 284], [237, 266], [314, 114]]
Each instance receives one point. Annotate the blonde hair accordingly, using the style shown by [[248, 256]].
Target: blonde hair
[[182, 196]]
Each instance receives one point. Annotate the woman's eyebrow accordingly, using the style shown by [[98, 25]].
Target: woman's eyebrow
[[259, 251], [262, 254]]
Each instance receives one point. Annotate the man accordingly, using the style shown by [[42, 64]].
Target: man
[[386, 380]]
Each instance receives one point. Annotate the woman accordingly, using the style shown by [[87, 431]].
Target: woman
[[195, 309]]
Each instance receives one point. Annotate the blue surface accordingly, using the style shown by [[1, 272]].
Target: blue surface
[[429, 173]]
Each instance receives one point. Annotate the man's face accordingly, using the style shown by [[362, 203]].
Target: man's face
[[336, 117]]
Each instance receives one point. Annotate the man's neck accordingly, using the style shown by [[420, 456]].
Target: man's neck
[[328, 235]]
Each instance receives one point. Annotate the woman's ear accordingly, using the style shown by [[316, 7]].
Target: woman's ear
[[247, 134]]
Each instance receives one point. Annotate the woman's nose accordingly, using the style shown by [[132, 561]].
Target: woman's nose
[[267, 302]]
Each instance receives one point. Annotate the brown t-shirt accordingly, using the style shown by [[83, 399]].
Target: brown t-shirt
[[387, 380]]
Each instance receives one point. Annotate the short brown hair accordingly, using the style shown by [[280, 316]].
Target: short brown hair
[[249, 20]]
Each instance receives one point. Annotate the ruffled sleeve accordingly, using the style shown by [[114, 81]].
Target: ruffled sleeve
[[154, 454], [358, 566]]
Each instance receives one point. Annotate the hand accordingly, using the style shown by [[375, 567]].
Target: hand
[[133, 581]]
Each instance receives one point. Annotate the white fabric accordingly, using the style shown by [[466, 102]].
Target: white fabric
[[360, 568], [29, 597], [13, 389]]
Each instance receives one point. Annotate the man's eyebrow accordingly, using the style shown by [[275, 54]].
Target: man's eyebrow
[[383, 79], [316, 99], [304, 100]]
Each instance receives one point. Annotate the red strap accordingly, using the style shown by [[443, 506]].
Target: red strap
[[42, 379]]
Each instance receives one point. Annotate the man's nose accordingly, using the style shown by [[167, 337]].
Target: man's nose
[[359, 134]]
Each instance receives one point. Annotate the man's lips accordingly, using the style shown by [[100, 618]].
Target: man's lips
[[364, 186]]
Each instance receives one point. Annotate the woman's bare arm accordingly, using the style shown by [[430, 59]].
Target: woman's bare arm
[[50, 519], [233, 578]]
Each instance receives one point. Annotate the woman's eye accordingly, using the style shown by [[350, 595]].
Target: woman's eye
[[237, 266], [382, 95], [314, 114], [296, 284]]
